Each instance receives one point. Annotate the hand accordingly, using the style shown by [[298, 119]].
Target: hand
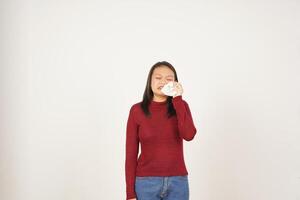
[[178, 88], [132, 199]]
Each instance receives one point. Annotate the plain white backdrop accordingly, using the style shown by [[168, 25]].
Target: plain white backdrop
[[70, 71]]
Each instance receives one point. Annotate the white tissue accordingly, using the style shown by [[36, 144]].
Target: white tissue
[[168, 89]]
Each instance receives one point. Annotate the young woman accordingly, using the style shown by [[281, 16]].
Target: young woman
[[159, 123]]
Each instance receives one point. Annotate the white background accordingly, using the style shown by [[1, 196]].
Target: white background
[[70, 71]]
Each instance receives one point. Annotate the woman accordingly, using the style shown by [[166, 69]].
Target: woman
[[159, 123]]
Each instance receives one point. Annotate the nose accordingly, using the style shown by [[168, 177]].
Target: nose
[[164, 82]]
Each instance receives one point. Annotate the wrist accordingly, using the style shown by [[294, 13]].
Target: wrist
[[179, 95]]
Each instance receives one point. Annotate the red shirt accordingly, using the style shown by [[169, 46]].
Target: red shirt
[[161, 140]]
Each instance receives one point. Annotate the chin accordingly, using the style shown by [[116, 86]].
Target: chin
[[159, 93]]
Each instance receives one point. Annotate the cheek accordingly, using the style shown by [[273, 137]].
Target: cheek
[[154, 86], [154, 83]]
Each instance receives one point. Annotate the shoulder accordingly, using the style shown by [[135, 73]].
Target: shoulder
[[135, 107], [135, 111]]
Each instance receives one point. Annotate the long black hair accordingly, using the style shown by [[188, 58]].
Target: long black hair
[[148, 93]]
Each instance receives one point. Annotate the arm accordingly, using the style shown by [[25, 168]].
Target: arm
[[186, 127], [132, 148]]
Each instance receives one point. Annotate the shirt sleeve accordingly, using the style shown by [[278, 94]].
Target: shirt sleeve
[[186, 127], [132, 148]]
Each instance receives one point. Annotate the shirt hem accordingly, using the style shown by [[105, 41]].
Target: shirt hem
[[163, 174]]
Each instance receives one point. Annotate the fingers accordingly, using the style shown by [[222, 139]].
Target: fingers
[[177, 84], [178, 88]]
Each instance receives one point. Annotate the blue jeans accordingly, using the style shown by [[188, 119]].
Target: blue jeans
[[162, 187]]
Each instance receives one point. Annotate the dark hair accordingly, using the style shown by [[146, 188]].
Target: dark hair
[[148, 93]]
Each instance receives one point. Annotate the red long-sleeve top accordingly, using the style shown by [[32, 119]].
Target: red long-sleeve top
[[161, 140]]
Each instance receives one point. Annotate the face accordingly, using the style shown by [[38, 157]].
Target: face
[[160, 77]]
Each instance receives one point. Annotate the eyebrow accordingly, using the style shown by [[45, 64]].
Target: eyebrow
[[161, 75]]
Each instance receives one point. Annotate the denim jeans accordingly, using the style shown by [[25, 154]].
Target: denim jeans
[[162, 187]]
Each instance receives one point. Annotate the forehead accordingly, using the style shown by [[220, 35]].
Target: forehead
[[163, 71]]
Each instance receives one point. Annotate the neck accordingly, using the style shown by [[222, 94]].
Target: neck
[[159, 98]]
